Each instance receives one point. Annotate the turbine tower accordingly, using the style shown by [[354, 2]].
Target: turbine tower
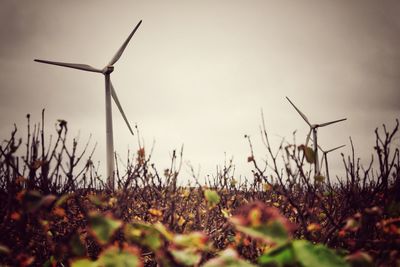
[[313, 130], [109, 92]]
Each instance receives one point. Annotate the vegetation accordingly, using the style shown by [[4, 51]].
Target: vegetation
[[56, 211]]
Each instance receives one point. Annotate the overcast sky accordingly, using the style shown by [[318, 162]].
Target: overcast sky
[[198, 72]]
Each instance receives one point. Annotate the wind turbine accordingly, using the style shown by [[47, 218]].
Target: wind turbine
[[325, 158], [313, 129], [109, 92]]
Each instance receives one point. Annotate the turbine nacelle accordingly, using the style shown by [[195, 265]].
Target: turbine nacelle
[[107, 69]]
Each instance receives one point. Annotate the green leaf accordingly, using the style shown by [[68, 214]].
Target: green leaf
[[310, 255], [163, 231], [145, 235], [228, 258], [103, 227], [272, 231], [280, 256], [113, 257], [84, 263], [212, 197], [194, 240], [187, 256]]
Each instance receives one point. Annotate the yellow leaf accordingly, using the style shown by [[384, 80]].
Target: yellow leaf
[[255, 217], [312, 227], [226, 213], [181, 221], [136, 232], [185, 193], [155, 212], [267, 187], [112, 201]]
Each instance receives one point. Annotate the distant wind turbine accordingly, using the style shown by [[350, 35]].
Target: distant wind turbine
[[110, 92], [313, 129], [325, 158]]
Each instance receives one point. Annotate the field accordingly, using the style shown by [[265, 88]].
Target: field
[[54, 213]]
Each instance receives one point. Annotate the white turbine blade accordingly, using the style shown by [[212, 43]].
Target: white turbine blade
[[114, 96], [331, 122], [301, 113], [333, 149], [70, 65], [121, 50]]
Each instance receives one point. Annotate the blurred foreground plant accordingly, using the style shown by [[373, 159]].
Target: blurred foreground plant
[[55, 213]]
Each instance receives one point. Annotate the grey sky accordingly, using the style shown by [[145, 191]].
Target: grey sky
[[198, 72]]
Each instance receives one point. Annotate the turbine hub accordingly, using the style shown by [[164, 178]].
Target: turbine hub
[[108, 69]]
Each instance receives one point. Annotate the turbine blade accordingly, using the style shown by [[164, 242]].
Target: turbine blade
[[301, 113], [308, 137], [331, 122], [324, 157], [333, 149], [114, 96], [122, 48], [320, 148], [70, 65]]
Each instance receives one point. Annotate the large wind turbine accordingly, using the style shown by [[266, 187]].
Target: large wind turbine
[[110, 92], [313, 129]]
